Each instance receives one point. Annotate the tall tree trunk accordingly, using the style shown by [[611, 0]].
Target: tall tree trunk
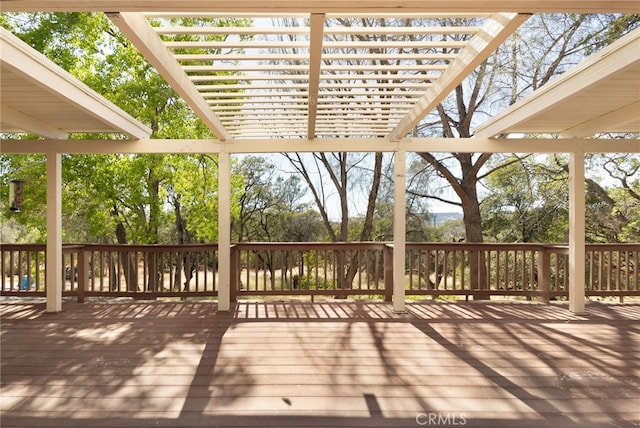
[[180, 225], [465, 187], [127, 259], [472, 218], [473, 233], [339, 173], [154, 270]]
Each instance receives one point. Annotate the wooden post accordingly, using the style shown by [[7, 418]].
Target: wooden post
[[54, 272], [224, 231], [399, 230], [576, 233]]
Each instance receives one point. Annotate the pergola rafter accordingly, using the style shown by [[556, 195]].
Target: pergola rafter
[[316, 38]]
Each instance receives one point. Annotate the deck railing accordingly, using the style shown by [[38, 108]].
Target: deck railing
[[316, 269], [312, 269]]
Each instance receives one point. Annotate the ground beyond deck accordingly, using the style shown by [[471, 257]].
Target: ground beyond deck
[[328, 364]]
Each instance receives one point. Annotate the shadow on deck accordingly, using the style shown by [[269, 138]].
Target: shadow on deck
[[329, 364]]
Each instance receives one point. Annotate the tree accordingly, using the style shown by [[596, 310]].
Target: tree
[[124, 197], [527, 200], [332, 176], [613, 199], [544, 46], [256, 200], [30, 169], [272, 207]]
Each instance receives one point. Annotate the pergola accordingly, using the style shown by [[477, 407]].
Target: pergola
[[295, 88]]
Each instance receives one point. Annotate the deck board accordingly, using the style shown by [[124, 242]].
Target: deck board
[[323, 364]]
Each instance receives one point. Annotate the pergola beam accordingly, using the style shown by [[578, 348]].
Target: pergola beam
[[240, 146], [325, 6], [477, 50], [143, 36]]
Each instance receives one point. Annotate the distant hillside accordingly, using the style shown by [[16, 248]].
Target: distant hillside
[[439, 218]]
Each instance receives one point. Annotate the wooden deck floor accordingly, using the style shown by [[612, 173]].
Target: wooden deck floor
[[330, 364]]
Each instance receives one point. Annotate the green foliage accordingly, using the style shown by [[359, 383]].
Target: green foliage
[[618, 26], [71, 40], [527, 200], [448, 231], [613, 198], [271, 206], [194, 186], [135, 194], [29, 223]]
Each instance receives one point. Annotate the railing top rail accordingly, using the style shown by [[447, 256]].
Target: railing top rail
[[151, 247], [476, 245], [23, 247], [308, 245], [372, 245], [627, 246]]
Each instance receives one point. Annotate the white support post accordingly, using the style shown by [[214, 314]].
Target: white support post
[[576, 233], [53, 273], [224, 231], [399, 230]]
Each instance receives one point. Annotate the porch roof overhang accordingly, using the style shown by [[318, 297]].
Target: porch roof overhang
[[599, 95], [39, 97]]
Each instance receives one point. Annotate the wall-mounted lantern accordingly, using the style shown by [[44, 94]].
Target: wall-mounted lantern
[[15, 195]]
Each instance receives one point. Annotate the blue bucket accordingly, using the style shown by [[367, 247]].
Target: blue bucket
[[25, 282]]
